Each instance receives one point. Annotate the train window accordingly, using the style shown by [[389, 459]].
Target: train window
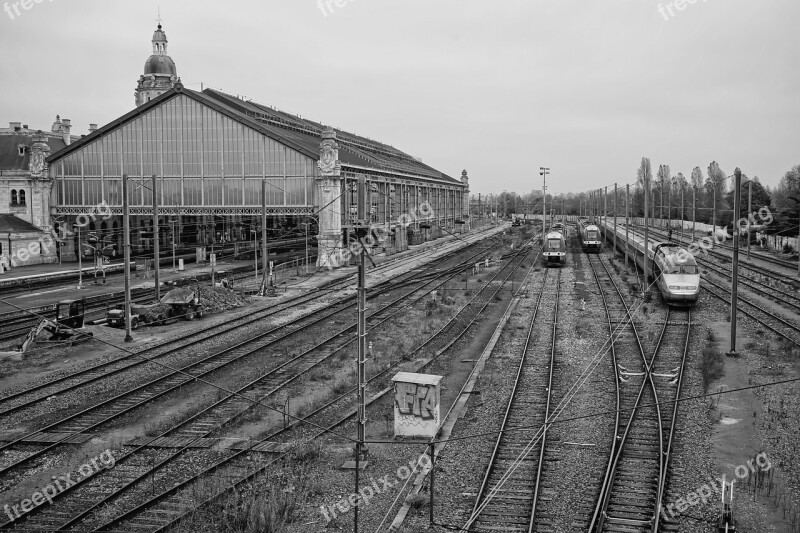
[[554, 244], [591, 234], [689, 269]]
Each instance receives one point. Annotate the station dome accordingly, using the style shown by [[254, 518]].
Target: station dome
[[160, 64]]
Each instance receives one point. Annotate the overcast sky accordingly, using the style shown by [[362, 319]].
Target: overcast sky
[[497, 87]]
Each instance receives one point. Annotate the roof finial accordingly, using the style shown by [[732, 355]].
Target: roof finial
[[159, 17]]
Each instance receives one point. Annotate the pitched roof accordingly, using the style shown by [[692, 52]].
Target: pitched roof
[[13, 224], [295, 132], [9, 147]]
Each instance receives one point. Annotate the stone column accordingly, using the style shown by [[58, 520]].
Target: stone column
[[329, 190]]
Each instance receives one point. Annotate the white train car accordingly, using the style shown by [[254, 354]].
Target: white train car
[[554, 250], [589, 235], [673, 268]]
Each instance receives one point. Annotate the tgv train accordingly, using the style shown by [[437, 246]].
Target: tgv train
[[673, 268], [589, 235], [555, 248]]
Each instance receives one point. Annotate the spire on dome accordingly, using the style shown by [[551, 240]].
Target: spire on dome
[[159, 40]]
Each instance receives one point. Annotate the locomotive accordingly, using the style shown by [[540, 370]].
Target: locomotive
[[673, 268], [589, 235]]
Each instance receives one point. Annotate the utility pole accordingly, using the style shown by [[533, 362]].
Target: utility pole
[[627, 219], [661, 204], [156, 243], [750, 212], [737, 199], [543, 171], [126, 255]]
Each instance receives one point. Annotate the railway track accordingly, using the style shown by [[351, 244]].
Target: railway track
[[93, 418], [508, 496], [41, 392], [784, 328], [193, 429], [631, 494]]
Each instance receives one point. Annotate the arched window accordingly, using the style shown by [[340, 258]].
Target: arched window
[[13, 196], [21, 197]]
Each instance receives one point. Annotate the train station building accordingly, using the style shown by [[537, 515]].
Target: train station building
[[220, 160]]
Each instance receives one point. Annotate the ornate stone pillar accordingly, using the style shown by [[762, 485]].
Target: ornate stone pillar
[[465, 214], [329, 190]]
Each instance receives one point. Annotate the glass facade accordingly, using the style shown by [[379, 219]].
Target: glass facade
[[202, 159]]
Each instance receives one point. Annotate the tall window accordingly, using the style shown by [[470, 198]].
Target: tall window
[[21, 197], [13, 197]]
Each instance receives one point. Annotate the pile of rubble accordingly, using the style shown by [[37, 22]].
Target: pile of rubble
[[216, 299]]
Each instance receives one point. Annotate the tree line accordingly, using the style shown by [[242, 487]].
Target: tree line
[[671, 197]]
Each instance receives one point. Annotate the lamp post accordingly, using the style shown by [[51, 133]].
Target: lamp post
[[543, 171]]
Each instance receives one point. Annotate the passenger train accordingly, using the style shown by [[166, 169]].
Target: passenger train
[[554, 250], [674, 269], [589, 235]]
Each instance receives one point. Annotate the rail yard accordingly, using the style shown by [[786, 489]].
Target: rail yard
[[222, 310], [570, 400]]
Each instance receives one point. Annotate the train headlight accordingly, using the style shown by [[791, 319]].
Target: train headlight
[[675, 287], [691, 287]]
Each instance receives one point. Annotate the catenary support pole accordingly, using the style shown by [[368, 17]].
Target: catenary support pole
[[646, 231], [126, 255], [737, 201], [627, 220], [264, 249], [749, 213], [694, 209], [156, 243], [614, 251]]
